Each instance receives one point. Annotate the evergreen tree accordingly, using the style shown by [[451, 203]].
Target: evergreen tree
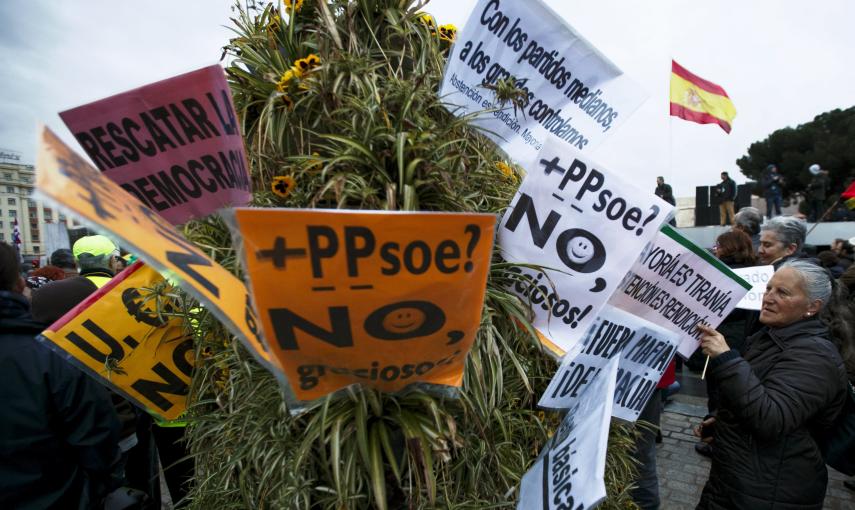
[[829, 140]]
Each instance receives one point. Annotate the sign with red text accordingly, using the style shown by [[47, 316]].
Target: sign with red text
[[570, 91], [175, 144], [585, 225], [382, 299], [126, 335], [677, 284]]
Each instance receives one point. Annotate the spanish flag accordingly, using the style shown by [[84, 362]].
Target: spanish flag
[[848, 197], [698, 100]]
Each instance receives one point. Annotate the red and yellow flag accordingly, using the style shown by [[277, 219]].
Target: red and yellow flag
[[848, 197], [698, 100]]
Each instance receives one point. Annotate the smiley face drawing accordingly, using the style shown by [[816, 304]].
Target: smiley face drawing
[[580, 250], [404, 320]]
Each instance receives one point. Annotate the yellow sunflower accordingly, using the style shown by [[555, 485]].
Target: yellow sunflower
[[286, 77], [448, 32], [304, 65], [314, 163], [506, 170], [313, 60], [283, 185], [293, 6], [428, 21], [274, 23]]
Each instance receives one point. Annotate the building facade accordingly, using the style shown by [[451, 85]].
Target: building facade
[[17, 183]]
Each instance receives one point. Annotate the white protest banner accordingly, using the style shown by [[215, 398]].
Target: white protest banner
[[571, 90], [758, 277], [643, 348], [586, 225], [677, 284], [55, 237], [569, 472]]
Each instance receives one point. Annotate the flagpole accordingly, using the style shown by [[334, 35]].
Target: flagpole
[[819, 220], [671, 137]]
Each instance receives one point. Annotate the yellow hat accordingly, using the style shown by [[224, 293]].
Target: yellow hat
[[95, 246]]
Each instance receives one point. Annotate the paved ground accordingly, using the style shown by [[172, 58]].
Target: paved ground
[[683, 473]]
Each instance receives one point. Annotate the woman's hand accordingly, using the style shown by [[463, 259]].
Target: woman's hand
[[704, 430], [712, 342]]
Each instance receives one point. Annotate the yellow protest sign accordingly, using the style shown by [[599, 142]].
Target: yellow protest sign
[[66, 179], [118, 336], [379, 299]]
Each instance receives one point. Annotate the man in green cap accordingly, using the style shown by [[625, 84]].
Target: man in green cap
[[97, 256]]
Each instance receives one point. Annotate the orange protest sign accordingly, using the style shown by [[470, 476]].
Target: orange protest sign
[[380, 299], [118, 336], [67, 180]]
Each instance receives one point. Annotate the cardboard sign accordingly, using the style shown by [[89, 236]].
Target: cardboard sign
[[586, 225], [380, 299], [117, 336], [66, 180], [569, 474], [677, 285], [572, 92], [758, 277], [175, 144], [644, 351]]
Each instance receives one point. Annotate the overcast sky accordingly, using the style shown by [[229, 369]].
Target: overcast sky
[[781, 62], [58, 55]]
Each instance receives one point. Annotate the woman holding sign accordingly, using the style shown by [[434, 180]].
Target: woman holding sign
[[785, 389], [734, 249]]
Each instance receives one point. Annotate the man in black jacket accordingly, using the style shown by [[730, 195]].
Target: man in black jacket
[[58, 431], [726, 193], [772, 190], [817, 190], [665, 192]]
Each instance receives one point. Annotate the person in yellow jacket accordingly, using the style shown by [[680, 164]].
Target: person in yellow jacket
[[97, 257]]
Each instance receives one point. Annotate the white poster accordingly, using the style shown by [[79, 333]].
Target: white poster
[[569, 472], [55, 237], [643, 348], [677, 284], [571, 91], [586, 225], [758, 277]]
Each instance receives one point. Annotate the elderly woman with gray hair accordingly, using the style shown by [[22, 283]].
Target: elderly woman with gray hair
[[781, 238], [748, 220], [782, 393]]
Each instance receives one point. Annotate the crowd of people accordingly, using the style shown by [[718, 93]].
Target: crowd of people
[[777, 379], [816, 196], [66, 441], [817, 204]]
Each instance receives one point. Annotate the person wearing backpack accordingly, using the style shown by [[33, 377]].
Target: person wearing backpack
[[779, 397]]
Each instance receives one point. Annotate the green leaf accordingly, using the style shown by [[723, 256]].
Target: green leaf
[[378, 479]]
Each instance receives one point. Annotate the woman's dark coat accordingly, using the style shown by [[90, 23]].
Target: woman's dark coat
[[788, 387]]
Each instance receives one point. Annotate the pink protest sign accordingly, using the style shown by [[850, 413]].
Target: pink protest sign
[[174, 144]]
